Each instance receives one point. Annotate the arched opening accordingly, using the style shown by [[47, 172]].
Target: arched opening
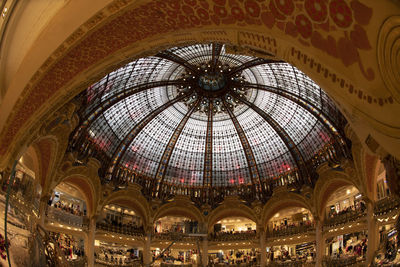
[[290, 221], [119, 233], [234, 228], [180, 235], [121, 217], [290, 234], [345, 206], [233, 240], [166, 226], [108, 253], [67, 206], [23, 206]]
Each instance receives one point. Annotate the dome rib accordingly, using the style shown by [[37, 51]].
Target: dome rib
[[177, 59], [163, 164], [124, 144], [216, 52], [311, 108], [253, 63], [287, 140], [112, 100], [208, 153], [251, 160]]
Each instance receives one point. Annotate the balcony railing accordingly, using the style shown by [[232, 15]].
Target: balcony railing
[[121, 229], [349, 216], [232, 236], [174, 236], [291, 230], [386, 205], [67, 218]]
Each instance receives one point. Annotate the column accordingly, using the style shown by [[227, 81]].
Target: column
[[372, 232], [320, 242], [146, 251], [89, 242], [43, 208], [263, 249], [204, 255]]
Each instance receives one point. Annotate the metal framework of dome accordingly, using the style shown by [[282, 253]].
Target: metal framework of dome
[[203, 121]]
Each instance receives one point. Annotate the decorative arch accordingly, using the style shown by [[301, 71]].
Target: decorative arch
[[31, 160], [281, 201], [86, 180], [333, 52], [179, 208], [46, 149], [329, 181], [132, 199], [231, 209]]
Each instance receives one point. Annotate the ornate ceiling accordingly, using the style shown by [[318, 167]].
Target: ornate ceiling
[[202, 116]]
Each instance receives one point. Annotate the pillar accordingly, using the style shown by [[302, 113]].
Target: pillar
[[43, 208], [204, 255], [89, 242], [320, 243], [263, 249], [146, 251], [372, 232]]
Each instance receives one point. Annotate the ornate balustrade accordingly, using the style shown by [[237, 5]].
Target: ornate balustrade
[[232, 237], [290, 230], [349, 216], [386, 205], [123, 229], [67, 218], [174, 236]]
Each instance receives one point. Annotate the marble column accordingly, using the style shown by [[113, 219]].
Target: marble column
[[373, 235], [89, 242], [146, 251], [263, 249], [204, 255], [320, 242]]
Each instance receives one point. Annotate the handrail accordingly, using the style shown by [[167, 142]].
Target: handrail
[[123, 229], [386, 204], [65, 217], [348, 216], [290, 230]]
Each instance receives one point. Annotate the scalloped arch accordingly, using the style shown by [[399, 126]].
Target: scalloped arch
[[131, 199], [230, 210], [185, 209], [327, 185], [281, 201]]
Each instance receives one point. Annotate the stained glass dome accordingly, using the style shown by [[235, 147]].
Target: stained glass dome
[[203, 116]]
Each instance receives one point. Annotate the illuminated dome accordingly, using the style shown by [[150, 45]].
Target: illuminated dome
[[202, 116]]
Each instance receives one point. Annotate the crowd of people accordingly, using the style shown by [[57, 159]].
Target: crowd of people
[[236, 257], [116, 256], [358, 207], [71, 208], [288, 228], [280, 254], [69, 245], [185, 226]]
